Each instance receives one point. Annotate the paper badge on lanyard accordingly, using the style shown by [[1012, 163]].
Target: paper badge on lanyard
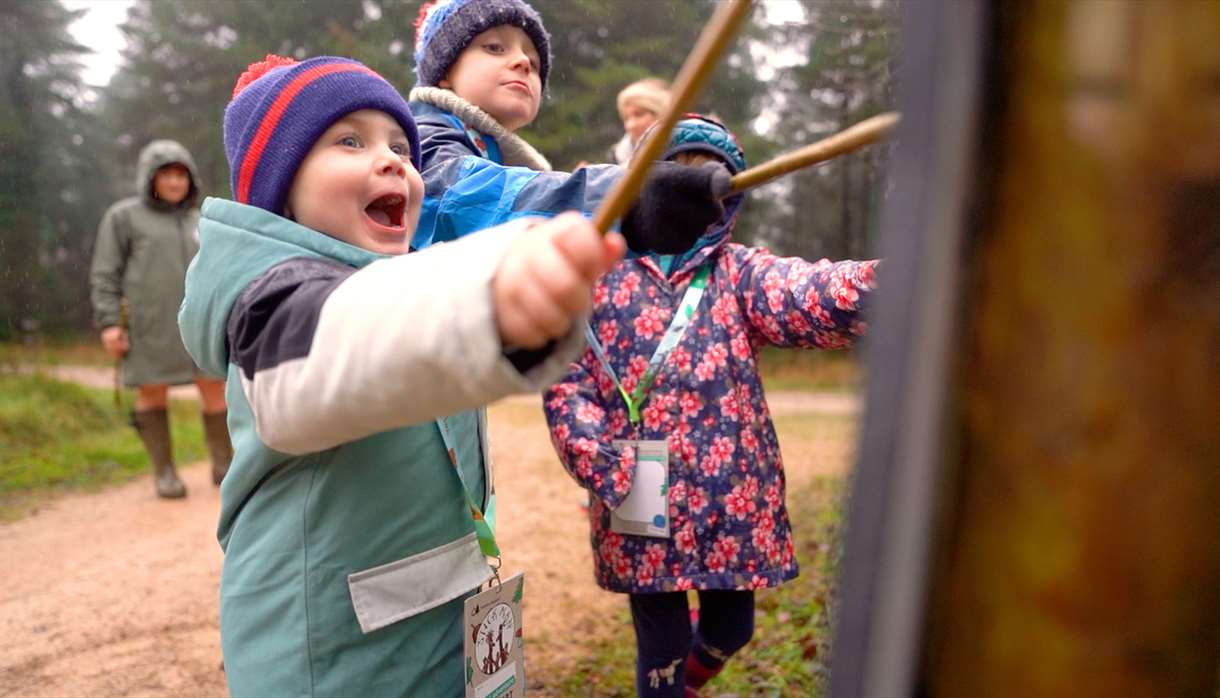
[[645, 511], [493, 646]]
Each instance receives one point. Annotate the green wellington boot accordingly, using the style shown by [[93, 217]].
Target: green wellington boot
[[153, 428], [216, 430]]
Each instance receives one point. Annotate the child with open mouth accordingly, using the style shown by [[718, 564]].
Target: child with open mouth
[[352, 514]]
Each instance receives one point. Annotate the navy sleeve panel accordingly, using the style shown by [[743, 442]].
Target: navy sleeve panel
[[525, 359], [446, 147], [441, 140], [275, 318]]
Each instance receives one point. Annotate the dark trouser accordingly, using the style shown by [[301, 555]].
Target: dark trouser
[[665, 653]]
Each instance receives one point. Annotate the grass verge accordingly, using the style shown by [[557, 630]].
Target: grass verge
[[57, 436], [782, 369], [55, 351], [791, 369], [790, 651]]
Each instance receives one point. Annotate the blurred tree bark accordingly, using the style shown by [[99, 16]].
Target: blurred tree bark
[[1082, 555]]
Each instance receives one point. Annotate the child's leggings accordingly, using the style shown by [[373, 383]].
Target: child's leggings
[[663, 636]]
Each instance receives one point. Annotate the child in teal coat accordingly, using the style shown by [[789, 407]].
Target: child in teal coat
[[358, 512]]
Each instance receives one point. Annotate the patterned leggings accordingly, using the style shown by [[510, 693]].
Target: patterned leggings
[[665, 653]]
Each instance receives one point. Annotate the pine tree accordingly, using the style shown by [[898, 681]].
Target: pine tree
[[183, 58], [600, 47], [844, 77], [39, 88]]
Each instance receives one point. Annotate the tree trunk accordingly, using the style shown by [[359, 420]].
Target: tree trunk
[[1083, 552]]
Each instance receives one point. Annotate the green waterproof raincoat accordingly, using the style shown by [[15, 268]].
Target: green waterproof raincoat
[[142, 251]]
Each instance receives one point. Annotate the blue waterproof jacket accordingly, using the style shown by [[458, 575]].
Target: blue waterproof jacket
[[471, 180]]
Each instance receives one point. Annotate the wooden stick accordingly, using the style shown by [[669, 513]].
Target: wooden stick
[[868, 131], [691, 78]]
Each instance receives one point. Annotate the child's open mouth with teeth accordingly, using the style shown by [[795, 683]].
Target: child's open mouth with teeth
[[387, 210]]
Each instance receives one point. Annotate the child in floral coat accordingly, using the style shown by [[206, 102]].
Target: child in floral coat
[[728, 528]]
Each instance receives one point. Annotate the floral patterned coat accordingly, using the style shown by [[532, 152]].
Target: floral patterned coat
[[729, 527]]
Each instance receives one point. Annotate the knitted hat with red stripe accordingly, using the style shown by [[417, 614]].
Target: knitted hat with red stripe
[[281, 107], [446, 27]]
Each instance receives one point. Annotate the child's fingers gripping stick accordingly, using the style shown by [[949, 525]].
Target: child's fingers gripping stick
[[545, 280]]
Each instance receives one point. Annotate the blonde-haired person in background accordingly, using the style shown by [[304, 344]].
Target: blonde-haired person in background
[[640, 104]]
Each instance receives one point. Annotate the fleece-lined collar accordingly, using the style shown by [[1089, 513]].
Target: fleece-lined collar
[[515, 151]]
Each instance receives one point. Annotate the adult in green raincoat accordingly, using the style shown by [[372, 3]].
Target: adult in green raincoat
[[144, 244]]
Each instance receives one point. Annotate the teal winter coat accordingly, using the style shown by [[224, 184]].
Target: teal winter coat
[[349, 546]]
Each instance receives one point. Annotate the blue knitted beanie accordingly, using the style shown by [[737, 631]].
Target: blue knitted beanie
[[446, 27], [696, 132], [281, 107]]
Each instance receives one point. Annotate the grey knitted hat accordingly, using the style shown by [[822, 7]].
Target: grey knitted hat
[[446, 27]]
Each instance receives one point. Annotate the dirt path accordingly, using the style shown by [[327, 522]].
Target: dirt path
[[115, 593]]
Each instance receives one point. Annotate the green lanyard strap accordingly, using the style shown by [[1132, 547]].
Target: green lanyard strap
[[483, 525], [677, 327]]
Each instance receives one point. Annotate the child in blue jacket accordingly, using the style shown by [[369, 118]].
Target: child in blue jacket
[[481, 69], [695, 388], [357, 513]]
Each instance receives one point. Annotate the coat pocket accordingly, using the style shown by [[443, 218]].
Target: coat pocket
[[388, 593]]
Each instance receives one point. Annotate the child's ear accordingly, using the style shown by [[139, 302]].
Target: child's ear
[[444, 84]]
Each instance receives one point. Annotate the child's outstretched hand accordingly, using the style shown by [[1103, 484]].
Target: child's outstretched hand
[[546, 279], [676, 206]]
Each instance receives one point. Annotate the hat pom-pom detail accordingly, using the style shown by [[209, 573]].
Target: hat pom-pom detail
[[258, 69], [424, 11]]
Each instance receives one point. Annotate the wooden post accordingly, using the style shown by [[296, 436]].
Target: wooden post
[[1068, 467], [1083, 555]]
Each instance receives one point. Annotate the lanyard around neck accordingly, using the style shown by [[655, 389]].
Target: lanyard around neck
[[486, 145], [482, 524], [673, 335]]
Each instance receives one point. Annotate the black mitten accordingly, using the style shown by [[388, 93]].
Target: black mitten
[[676, 206]]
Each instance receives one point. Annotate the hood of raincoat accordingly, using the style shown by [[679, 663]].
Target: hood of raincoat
[[156, 155], [237, 244]]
